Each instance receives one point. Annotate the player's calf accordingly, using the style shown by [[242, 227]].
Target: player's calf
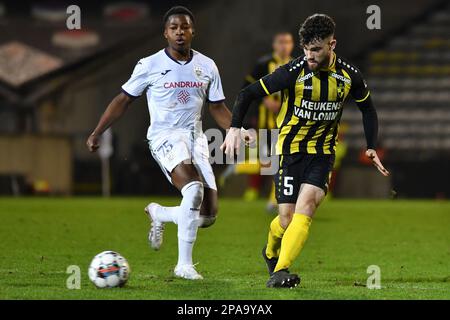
[[206, 221], [208, 211]]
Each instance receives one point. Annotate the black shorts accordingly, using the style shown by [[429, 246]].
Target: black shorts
[[299, 168]]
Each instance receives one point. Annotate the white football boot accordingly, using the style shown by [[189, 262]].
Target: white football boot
[[187, 271], [155, 235]]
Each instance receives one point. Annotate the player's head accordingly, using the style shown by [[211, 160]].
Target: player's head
[[283, 44], [317, 39], [179, 28]]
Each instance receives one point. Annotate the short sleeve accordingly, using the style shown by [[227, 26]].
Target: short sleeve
[[138, 81], [359, 89], [215, 90], [279, 80]]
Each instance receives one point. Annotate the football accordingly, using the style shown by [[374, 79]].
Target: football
[[109, 269]]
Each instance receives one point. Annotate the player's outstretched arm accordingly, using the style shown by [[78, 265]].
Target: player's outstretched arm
[[370, 123], [221, 114], [241, 105], [114, 111]]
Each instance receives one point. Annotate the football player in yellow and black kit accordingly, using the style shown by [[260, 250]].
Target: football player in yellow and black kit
[[314, 87]]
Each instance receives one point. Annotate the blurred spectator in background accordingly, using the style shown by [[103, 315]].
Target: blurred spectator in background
[[265, 116]]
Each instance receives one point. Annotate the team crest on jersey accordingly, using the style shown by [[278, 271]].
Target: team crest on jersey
[[198, 71], [340, 90]]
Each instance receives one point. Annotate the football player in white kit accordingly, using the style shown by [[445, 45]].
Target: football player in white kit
[[177, 81]]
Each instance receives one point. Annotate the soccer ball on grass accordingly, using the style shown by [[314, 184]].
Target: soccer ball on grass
[[109, 269]]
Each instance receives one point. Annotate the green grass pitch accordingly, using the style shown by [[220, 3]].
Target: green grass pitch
[[408, 240]]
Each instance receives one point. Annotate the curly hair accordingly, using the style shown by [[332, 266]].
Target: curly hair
[[316, 27], [178, 10]]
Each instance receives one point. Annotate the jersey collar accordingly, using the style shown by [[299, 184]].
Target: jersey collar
[[176, 61]]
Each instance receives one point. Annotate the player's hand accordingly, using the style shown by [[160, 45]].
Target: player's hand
[[93, 142], [249, 137], [232, 142], [372, 154]]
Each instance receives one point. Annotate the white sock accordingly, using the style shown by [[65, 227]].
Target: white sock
[[188, 215], [167, 214], [185, 252]]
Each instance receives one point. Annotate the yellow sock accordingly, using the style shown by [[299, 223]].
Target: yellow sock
[[276, 232], [293, 240]]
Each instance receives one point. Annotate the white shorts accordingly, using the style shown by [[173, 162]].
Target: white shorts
[[178, 146]]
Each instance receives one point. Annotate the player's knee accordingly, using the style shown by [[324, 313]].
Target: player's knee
[[307, 207], [206, 221]]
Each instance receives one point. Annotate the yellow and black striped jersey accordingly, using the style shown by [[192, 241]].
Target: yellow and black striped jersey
[[266, 119], [312, 103]]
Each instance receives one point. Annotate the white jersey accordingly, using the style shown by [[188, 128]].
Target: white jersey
[[176, 90]]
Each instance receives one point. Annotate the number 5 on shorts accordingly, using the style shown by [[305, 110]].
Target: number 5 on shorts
[[288, 187]]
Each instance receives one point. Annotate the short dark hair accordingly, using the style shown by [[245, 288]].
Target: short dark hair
[[316, 27], [178, 10]]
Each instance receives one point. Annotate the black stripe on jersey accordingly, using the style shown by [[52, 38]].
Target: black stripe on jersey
[[323, 85], [291, 96], [333, 139], [323, 97], [296, 128], [335, 128], [323, 76], [287, 118], [323, 136], [290, 106], [307, 93]]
